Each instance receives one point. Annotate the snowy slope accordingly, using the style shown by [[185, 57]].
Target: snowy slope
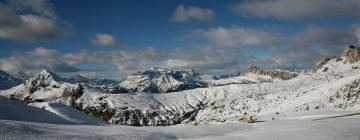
[[297, 129], [15, 110]]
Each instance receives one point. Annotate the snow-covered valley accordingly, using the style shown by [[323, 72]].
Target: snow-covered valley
[[297, 128]]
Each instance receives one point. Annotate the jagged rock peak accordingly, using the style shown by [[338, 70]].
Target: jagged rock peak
[[351, 54], [279, 74]]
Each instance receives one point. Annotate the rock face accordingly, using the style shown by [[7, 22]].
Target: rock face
[[275, 74], [351, 54], [158, 80]]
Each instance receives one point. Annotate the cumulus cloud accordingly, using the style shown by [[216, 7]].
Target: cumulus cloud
[[238, 36], [39, 58], [104, 40], [30, 21], [299, 9], [295, 50], [185, 14]]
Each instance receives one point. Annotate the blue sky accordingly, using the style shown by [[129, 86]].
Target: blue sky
[[113, 38]]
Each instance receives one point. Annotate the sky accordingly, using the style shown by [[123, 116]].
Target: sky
[[114, 38]]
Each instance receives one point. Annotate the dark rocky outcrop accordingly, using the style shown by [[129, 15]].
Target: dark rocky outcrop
[[275, 74], [351, 54]]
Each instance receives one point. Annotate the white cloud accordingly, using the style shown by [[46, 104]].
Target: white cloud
[[88, 74], [299, 9], [38, 59], [238, 36], [104, 40], [185, 14], [29, 21]]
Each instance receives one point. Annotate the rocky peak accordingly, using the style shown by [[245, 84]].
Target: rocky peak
[[256, 70], [44, 79], [351, 54], [275, 74]]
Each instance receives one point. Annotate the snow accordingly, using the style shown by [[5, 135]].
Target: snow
[[14, 110], [300, 129], [44, 113]]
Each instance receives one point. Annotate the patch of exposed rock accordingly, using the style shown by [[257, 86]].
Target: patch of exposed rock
[[351, 54], [275, 74]]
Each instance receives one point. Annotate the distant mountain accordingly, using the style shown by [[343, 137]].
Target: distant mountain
[[92, 82], [20, 75], [8, 81], [157, 80], [105, 85], [275, 74]]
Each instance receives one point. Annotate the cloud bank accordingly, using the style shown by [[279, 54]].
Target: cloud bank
[[192, 13], [30, 21], [298, 9]]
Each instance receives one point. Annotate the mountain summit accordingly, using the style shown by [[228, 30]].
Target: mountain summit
[[351, 54]]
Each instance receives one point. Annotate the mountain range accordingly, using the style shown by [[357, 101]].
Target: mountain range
[[158, 97]]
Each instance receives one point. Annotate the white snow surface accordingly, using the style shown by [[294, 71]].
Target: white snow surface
[[295, 129]]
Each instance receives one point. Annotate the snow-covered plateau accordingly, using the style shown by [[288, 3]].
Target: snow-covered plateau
[[321, 103]]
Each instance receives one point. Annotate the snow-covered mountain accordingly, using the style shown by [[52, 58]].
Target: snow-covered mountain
[[332, 85], [46, 87], [105, 85], [156, 80], [21, 75], [7, 81], [92, 82]]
